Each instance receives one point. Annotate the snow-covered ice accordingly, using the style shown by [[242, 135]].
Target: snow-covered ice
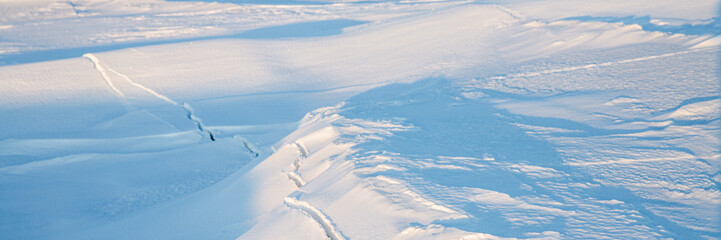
[[342, 119]]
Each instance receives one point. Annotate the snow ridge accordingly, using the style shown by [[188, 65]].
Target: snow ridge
[[316, 214]]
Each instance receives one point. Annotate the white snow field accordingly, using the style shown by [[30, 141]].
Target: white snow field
[[342, 119]]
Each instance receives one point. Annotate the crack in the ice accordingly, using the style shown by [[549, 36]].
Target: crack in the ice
[[297, 163], [248, 146], [75, 8], [144, 88], [198, 122], [101, 69], [295, 175], [303, 150], [297, 179], [588, 66], [317, 215], [306, 208], [188, 110], [250, 149]]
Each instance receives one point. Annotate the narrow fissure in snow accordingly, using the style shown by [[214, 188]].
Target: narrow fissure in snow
[[101, 69], [248, 146], [316, 215], [151, 91], [188, 110], [295, 175], [303, 151], [587, 66], [198, 122], [297, 179]]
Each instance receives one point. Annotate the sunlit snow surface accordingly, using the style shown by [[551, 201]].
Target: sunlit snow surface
[[247, 119]]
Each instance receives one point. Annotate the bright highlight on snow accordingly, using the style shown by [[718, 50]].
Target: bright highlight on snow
[[330, 119]]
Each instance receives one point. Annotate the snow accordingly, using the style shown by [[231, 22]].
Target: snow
[[543, 119]]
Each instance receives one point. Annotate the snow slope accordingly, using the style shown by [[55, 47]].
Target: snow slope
[[359, 120]]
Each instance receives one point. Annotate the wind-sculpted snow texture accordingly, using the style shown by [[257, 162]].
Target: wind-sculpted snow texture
[[549, 119]]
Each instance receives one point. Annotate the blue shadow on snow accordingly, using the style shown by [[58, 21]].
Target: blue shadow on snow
[[294, 30], [445, 124]]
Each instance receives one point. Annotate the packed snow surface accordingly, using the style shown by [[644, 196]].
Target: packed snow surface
[[333, 119]]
